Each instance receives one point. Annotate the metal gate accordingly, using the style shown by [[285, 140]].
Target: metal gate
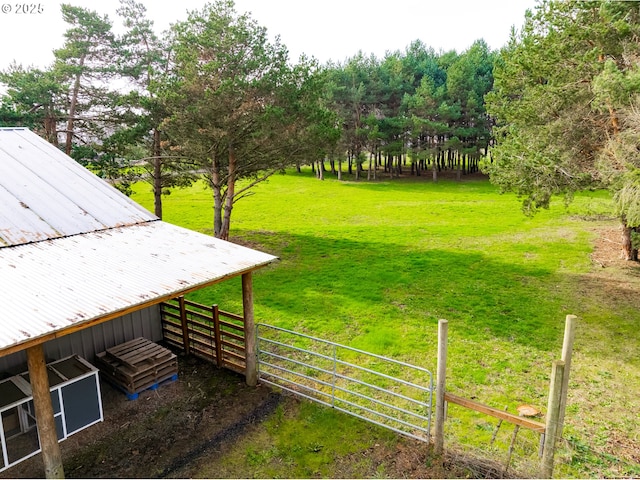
[[389, 393]]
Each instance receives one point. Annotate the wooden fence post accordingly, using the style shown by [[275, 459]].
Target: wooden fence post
[[185, 326], [567, 350], [553, 415], [217, 334], [441, 386], [251, 356]]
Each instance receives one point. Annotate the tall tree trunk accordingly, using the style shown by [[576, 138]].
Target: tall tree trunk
[[628, 251], [51, 127], [614, 119], [375, 166], [157, 174], [340, 168], [228, 201], [73, 105], [217, 197]]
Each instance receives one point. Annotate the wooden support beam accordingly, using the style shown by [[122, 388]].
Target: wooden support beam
[[494, 412], [39, 380], [251, 356]]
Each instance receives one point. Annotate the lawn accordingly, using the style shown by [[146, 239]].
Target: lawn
[[375, 265]]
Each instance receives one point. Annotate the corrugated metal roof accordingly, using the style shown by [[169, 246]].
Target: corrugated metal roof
[[46, 194], [52, 285], [73, 249]]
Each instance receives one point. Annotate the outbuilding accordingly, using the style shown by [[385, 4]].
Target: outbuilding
[[83, 268]]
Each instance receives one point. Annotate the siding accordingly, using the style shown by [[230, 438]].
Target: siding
[[86, 343]]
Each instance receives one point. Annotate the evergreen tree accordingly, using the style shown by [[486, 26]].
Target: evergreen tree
[[142, 60], [560, 87], [84, 66], [237, 108], [34, 99]]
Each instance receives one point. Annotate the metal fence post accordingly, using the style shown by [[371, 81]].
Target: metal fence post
[[333, 381], [258, 351]]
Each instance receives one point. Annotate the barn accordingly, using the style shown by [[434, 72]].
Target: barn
[[84, 268]]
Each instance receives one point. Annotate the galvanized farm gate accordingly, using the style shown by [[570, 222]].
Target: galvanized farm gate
[[393, 394]]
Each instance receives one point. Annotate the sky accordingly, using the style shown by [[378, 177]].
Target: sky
[[327, 30]]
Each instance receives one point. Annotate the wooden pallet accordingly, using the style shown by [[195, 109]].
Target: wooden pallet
[[137, 365]]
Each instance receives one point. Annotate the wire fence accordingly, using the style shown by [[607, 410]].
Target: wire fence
[[490, 448]]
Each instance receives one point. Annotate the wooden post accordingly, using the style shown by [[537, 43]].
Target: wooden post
[[217, 334], [443, 327], [553, 414], [185, 326], [47, 434], [251, 357], [567, 350], [511, 447], [495, 432]]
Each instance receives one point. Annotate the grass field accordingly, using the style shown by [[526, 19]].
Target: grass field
[[375, 265]]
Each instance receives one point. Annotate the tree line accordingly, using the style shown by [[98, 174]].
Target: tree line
[[419, 104], [213, 97]]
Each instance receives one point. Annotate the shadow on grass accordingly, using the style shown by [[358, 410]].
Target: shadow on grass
[[388, 299], [347, 288]]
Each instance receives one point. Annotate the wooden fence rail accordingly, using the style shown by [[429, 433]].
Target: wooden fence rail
[[206, 332], [525, 422]]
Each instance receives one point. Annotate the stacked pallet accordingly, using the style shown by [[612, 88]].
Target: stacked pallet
[[137, 365]]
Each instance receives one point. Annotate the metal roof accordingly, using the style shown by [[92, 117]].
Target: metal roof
[[74, 250], [49, 286], [46, 194]]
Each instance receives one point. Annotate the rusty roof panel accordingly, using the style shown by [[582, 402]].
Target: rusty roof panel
[[52, 285], [46, 194]]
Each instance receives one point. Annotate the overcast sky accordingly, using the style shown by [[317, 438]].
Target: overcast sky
[[326, 30]]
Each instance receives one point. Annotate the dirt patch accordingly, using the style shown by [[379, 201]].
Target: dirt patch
[[156, 434], [613, 278], [608, 248]]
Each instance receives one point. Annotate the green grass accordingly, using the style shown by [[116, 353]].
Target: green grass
[[299, 443], [376, 265]]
